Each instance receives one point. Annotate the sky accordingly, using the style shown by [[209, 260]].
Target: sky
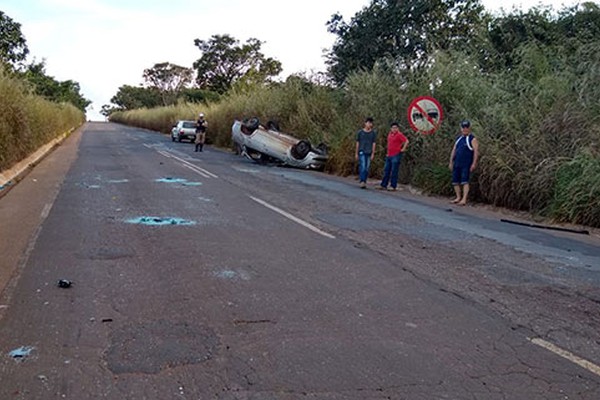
[[104, 44]]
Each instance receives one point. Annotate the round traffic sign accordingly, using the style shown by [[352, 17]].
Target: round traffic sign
[[425, 114]]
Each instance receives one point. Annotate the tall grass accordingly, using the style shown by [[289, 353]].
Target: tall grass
[[27, 121], [576, 196], [538, 125]]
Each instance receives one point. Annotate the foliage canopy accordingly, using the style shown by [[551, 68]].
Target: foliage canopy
[[225, 62]]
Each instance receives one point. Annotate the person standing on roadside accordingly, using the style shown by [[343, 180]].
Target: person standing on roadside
[[396, 146], [463, 161], [201, 126], [366, 142]]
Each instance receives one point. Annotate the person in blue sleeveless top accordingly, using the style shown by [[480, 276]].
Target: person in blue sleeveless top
[[463, 161]]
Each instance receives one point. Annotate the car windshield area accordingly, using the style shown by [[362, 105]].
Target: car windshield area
[[188, 124]]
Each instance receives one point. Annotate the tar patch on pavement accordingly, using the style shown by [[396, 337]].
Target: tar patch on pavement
[[106, 253], [153, 346], [159, 221]]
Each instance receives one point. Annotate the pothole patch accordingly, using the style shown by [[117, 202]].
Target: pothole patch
[[107, 254], [151, 347]]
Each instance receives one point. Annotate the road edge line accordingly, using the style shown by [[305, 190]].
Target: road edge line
[[588, 365], [293, 218]]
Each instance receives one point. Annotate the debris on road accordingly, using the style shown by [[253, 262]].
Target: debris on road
[[158, 221], [21, 352], [64, 283], [554, 228]]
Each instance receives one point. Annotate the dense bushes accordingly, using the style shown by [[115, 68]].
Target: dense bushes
[[27, 121]]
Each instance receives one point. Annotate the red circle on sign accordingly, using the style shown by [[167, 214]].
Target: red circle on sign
[[429, 111]]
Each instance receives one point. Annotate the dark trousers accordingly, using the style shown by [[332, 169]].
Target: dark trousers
[[390, 170]]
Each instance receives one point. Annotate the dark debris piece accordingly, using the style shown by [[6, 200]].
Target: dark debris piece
[[64, 283]]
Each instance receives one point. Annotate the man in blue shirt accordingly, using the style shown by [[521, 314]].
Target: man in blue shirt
[[366, 140], [463, 161]]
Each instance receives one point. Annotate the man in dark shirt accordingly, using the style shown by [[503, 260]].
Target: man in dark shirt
[[366, 142]]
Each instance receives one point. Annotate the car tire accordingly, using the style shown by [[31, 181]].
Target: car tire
[[300, 150], [273, 126], [252, 124], [322, 148]]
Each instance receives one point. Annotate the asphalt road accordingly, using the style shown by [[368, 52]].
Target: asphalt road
[[205, 276]]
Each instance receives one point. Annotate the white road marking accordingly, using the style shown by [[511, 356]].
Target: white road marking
[[247, 170], [196, 171], [593, 368], [12, 284], [293, 218], [46, 211], [164, 153]]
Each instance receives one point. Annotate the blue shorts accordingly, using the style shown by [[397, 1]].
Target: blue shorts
[[461, 175]]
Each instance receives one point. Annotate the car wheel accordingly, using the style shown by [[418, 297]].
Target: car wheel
[[300, 150], [252, 124], [273, 126], [322, 148]]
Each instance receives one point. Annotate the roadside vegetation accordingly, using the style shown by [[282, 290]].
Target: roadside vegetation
[[34, 107], [28, 121], [528, 81]]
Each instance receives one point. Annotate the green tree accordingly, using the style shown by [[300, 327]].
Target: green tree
[[132, 97], [13, 47], [195, 95], [225, 63], [563, 34], [169, 79], [404, 31], [57, 91]]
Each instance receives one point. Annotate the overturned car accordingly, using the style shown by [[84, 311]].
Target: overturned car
[[266, 144]]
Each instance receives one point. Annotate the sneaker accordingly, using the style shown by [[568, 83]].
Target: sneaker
[[379, 187], [363, 185], [391, 189]]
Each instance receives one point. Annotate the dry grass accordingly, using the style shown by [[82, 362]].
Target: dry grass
[[27, 122]]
